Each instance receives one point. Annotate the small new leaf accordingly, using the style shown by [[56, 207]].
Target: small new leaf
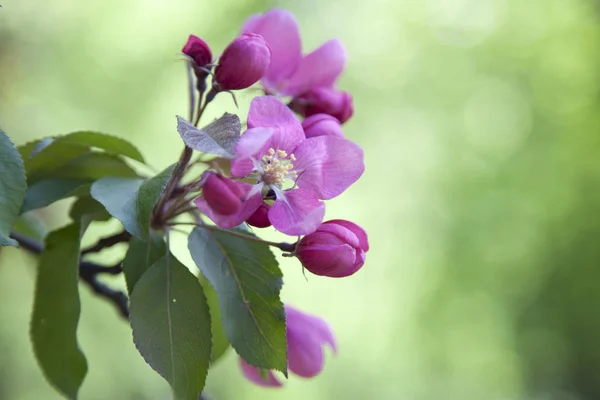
[[13, 185], [247, 280], [171, 326], [219, 137], [56, 311]]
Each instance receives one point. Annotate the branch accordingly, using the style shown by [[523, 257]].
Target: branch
[[88, 272], [110, 241]]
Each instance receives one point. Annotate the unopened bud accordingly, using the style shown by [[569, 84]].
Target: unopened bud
[[324, 100], [222, 195], [243, 62]]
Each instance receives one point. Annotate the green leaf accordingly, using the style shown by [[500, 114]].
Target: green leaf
[[31, 226], [119, 197], [140, 256], [112, 144], [52, 152], [148, 195], [46, 192], [49, 157], [13, 185], [86, 208], [220, 344], [90, 166], [171, 326], [131, 201], [56, 311], [247, 280], [218, 137]]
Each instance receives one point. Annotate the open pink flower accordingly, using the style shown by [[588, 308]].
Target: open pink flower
[[275, 152], [306, 336], [291, 73]]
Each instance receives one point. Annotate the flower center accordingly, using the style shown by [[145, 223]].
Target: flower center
[[277, 166]]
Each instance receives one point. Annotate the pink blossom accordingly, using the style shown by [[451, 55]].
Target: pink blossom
[[275, 152], [336, 249], [321, 125], [198, 50], [222, 195], [326, 101], [291, 73], [306, 336], [243, 62]]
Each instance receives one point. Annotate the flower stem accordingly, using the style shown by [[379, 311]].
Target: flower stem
[[284, 246]]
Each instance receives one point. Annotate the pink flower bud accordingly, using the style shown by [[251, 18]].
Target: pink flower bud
[[198, 50], [336, 249], [243, 62], [260, 218], [222, 195], [324, 100], [322, 125]]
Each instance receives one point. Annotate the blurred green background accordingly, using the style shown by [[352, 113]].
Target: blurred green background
[[479, 120]]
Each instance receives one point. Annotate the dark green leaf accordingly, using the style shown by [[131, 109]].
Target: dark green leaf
[[46, 192], [90, 166], [119, 197], [148, 195], [247, 280], [86, 208], [140, 256], [171, 326], [56, 312], [218, 137], [13, 185], [112, 144], [31, 226], [49, 157], [220, 344]]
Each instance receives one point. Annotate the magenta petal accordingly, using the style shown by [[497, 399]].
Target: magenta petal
[[320, 68], [296, 212], [253, 374], [328, 165], [357, 230], [328, 260], [306, 335], [253, 200], [270, 112], [252, 145], [280, 29], [343, 234]]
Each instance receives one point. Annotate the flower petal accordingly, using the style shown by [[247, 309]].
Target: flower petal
[[296, 212], [253, 374], [280, 29], [321, 68], [252, 144], [328, 165], [270, 112], [306, 335], [253, 200], [357, 230], [328, 260]]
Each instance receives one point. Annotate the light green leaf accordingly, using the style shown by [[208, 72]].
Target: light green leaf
[[56, 311], [13, 185], [171, 326], [119, 197], [140, 256], [247, 280]]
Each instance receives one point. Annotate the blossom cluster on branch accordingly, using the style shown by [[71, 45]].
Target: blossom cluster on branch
[[278, 173]]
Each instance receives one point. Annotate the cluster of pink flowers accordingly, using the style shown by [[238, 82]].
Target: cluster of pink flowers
[[285, 168]]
